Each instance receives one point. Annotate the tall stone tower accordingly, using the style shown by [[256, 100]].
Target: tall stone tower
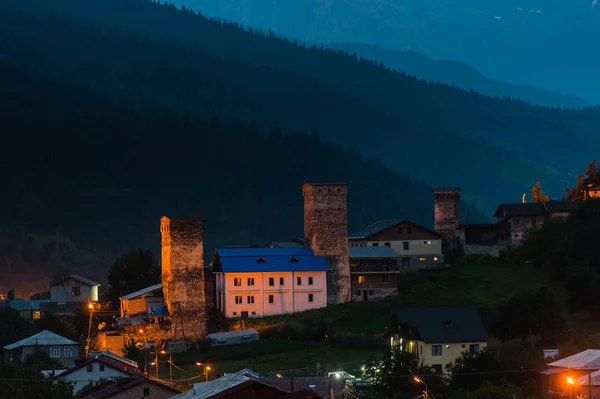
[[447, 211], [183, 276], [326, 233]]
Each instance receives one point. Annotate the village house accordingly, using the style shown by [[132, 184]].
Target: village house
[[97, 366], [61, 349], [254, 282], [438, 335], [74, 288], [373, 272], [577, 375], [417, 246], [133, 388], [29, 309]]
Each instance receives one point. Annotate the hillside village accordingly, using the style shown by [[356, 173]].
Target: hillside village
[[327, 268]]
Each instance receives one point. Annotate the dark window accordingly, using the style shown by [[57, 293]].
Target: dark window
[[146, 391], [281, 280], [271, 281], [89, 368], [357, 292], [399, 230], [385, 278], [310, 297], [298, 280], [388, 244], [250, 299], [250, 280], [408, 230], [375, 244], [271, 299], [235, 313], [238, 299], [371, 292], [405, 245], [75, 291], [244, 314], [474, 348], [436, 350], [310, 281], [253, 313], [101, 367], [237, 282]]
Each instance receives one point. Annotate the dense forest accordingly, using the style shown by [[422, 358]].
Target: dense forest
[[141, 53], [86, 177]]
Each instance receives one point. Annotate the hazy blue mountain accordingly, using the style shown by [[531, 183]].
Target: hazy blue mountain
[[544, 43], [458, 74]]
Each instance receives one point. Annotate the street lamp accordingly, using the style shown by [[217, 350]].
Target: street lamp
[[170, 365], [145, 349], [206, 370], [87, 341], [571, 382], [420, 381]]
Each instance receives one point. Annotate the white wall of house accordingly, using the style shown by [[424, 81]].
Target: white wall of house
[[83, 376], [271, 293], [73, 291]]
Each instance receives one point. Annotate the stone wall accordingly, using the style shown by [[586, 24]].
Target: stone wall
[[447, 211], [183, 276], [326, 233]]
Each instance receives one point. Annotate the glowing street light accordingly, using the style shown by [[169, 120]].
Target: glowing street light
[[420, 381], [570, 381]]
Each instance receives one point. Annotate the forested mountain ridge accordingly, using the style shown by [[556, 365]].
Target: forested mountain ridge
[[413, 126], [458, 74], [76, 163]]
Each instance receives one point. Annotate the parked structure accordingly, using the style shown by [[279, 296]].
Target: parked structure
[[438, 334], [254, 282], [97, 367], [74, 288], [582, 369], [61, 349], [374, 272], [232, 337], [417, 246]]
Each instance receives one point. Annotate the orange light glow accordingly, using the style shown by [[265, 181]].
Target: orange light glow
[[198, 364], [141, 331], [91, 305], [417, 379], [163, 352], [570, 381], [208, 367]]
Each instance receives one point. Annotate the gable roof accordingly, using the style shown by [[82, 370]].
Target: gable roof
[[373, 253], [123, 384], [533, 208], [240, 260], [587, 360], [107, 361], [24, 304], [76, 277], [432, 324], [142, 291], [44, 338], [233, 381], [383, 225]]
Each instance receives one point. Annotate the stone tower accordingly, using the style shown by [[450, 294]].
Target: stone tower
[[326, 233], [183, 276], [447, 211]]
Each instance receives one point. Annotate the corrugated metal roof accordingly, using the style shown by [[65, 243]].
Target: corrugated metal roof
[[207, 389], [44, 338], [375, 228], [585, 379], [232, 334], [142, 291], [24, 304], [432, 323], [373, 253], [76, 277], [586, 360], [246, 260]]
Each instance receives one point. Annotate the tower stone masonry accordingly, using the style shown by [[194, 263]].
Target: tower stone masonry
[[326, 233], [183, 276], [447, 211]]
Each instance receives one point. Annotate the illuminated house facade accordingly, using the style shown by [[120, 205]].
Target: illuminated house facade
[[74, 288], [438, 335], [373, 272], [417, 246], [254, 282]]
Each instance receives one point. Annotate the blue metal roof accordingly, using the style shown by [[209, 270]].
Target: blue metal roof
[[24, 304], [248, 260]]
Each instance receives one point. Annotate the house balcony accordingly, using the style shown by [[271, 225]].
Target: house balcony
[[374, 268]]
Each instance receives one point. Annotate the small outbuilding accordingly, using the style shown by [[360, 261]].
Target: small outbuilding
[[232, 337]]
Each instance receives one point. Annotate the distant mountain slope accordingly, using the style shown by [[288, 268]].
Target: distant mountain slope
[[142, 53], [543, 43], [77, 164], [459, 75]]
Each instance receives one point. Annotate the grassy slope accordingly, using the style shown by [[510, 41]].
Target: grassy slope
[[356, 329]]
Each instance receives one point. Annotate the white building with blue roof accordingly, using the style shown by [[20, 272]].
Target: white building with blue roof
[[255, 282]]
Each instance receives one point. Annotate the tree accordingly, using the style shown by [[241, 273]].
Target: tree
[[13, 326], [537, 195], [132, 272], [529, 313], [591, 176], [487, 390], [21, 381], [469, 370]]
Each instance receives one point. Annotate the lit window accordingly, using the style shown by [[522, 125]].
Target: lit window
[[250, 299], [422, 259], [55, 351], [310, 281], [237, 282], [436, 350], [271, 281], [69, 351], [310, 297], [435, 258], [271, 299], [250, 280], [37, 315], [361, 279]]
